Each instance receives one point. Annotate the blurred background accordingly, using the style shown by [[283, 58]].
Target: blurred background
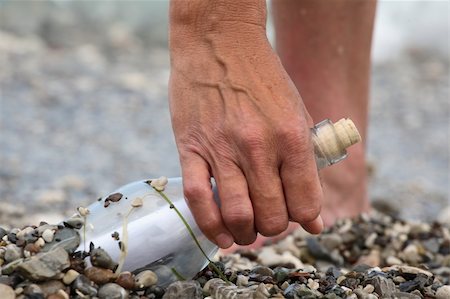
[[83, 105]]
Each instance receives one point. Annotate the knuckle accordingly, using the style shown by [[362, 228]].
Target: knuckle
[[293, 136], [273, 226], [196, 192], [253, 138]]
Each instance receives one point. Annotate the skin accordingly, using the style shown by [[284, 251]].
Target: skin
[[237, 115]]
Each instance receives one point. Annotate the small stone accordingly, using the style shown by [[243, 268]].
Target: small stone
[[3, 232], [331, 241], [145, 279], [411, 254], [7, 292], [112, 291], [312, 284], [403, 295], [51, 287], [74, 222], [405, 269], [392, 260], [25, 233], [263, 271], [32, 248], [70, 276], [100, 258], [189, 289], [382, 286], [11, 267], [60, 294], [261, 292], [40, 242], [126, 280], [99, 275], [47, 235], [33, 291], [12, 253], [369, 288], [373, 259], [241, 280], [443, 292], [44, 265], [84, 285], [399, 279], [66, 238]]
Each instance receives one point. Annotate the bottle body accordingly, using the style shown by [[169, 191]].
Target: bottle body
[[157, 238]]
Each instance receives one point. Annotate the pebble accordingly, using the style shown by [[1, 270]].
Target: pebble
[[70, 276], [112, 291], [12, 253], [47, 235], [66, 238], [443, 292], [100, 258], [126, 280], [85, 286], [99, 275], [145, 279], [242, 280], [51, 287], [189, 289], [45, 265], [7, 292]]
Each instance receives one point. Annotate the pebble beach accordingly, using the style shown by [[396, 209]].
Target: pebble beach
[[83, 110]]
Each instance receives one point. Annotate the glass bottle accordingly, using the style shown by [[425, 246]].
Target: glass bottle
[[154, 236]]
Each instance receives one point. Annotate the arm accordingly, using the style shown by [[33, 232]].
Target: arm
[[238, 117]]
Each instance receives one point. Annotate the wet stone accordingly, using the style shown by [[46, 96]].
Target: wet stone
[[74, 222], [51, 287], [45, 265], [12, 253], [145, 279], [66, 238], [126, 280], [112, 291], [85, 286], [7, 292], [184, 290], [3, 232], [99, 275], [443, 292], [382, 286], [100, 258]]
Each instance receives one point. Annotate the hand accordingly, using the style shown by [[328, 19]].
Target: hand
[[238, 117]]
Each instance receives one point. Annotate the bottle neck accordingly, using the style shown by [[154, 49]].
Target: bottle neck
[[331, 140]]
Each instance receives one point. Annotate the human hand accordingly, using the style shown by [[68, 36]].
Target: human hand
[[237, 116]]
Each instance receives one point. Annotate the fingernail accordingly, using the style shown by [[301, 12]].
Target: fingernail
[[224, 240]]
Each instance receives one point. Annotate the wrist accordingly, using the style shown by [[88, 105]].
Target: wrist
[[199, 23]]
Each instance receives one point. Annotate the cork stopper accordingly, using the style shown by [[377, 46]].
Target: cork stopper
[[347, 132], [331, 140]]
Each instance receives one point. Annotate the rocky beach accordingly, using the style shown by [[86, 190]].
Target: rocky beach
[[83, 110], [372, 256]]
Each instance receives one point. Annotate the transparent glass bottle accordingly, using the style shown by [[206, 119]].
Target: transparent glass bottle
[[156, 238]]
